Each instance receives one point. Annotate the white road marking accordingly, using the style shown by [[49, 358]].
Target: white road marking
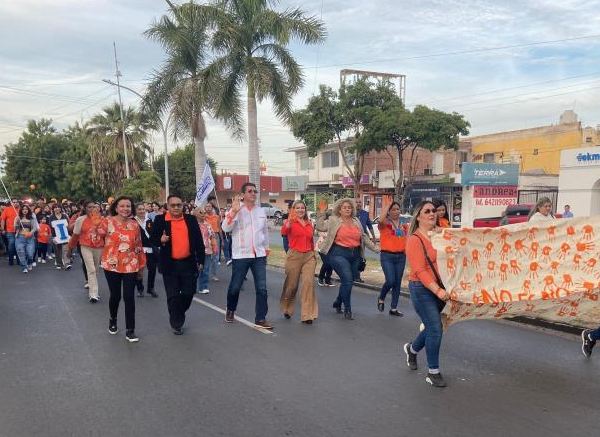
[[237, 318]]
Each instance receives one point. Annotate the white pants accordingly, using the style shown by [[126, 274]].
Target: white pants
[[91, 258]]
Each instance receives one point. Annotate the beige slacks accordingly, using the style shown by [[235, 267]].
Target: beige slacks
[[300, 267], [91, 258]]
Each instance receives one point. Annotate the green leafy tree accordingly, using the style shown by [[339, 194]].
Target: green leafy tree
[[144, 186], [424, 128], [182, 180], [251, 44], [105, 139]]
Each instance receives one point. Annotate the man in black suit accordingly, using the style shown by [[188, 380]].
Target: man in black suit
[[181, 257]]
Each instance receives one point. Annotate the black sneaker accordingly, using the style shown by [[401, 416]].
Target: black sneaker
[[94, 300], [229, 316], [411, 359], [112, 326], [321, 283], [435, 379], [131, 337], [586, 344], [177, 331]]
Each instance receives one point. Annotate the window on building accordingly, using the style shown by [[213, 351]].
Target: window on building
[[535, 151], [307, 163], [489, 157], [463, 157], [350, 157], [331, 159], [588, 139], [427, 172]]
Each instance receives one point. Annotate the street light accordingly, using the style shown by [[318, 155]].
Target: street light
[[164, 127]]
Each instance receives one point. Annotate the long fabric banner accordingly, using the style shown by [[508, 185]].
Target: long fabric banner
[[205, 186], [548, 270]]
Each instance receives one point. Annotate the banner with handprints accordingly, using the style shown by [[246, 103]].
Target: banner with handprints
[[548, 270]]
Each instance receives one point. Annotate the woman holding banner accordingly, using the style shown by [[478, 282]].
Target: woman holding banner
[[426, 292]]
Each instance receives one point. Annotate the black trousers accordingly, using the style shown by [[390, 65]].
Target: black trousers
[[151, 264], [127, 282], [180, 286]]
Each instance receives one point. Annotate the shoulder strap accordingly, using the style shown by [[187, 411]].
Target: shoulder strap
[[437, 277]]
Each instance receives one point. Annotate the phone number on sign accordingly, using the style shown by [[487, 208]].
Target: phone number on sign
[[495, 202]]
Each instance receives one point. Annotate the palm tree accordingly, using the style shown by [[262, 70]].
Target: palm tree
[[178, 87], [105, 133], [250, 41]]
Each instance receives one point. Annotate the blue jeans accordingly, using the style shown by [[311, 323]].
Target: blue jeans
[[11, 249], [214, 260], [227, 247], [428, 307], [595, 335], [393, 269], [239, 270], [25, 250], [219, 244], [204, 274], [345, 263]]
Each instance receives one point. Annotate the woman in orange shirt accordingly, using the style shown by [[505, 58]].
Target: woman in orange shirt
[[426, 291], [122, 258], [392, 238], [443, 219]]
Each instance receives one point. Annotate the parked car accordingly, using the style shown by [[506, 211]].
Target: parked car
[[515, 213], [271, 211]]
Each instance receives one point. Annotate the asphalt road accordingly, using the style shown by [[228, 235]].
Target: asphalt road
[[62, 374]]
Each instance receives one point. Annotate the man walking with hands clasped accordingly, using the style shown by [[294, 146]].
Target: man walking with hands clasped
[[247, 223], [181, 257]]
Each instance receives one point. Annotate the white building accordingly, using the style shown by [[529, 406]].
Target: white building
[[579, 181]]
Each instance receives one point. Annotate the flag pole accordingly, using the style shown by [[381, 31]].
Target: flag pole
[[11, 204]]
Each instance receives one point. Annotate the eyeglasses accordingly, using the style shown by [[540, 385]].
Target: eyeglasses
[[428, 211], [251, 191]]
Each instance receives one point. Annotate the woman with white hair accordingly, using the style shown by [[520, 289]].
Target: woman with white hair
[[345, 249]]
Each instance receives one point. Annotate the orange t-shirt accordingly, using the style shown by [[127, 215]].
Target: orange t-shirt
[[9, 215], [213, 220], [388, 239], [444, 222], [180, 241], [420, 270], [43, 235], [348, 236]]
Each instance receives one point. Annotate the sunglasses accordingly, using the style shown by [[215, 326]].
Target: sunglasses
[[428, 211]]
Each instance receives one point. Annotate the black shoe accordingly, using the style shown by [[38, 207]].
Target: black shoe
[[380, 305], [287, 316], [131, 337], [348, 315], [307, 322], [586, 344], [112, 326], [395, 313], [359, 280], [178, 331], [321, 283], [411, 359], [263, 324], [152, 293], [94, 300], [229, 316], [329, 284], [435, 379], [338, 307]]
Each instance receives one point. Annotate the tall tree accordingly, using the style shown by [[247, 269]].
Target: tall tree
[[251, 44], [105, 133], [179, 87], [144, 186], [407, 131]]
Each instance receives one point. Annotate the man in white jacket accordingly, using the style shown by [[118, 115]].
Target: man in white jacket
[[247, 223]]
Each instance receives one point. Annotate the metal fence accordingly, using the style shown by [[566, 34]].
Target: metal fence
[[532, 196]]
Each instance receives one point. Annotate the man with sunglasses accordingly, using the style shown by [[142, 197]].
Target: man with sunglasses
[[247, 223], [181, 257]]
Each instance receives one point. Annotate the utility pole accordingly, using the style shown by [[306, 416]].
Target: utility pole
[[118, 74]]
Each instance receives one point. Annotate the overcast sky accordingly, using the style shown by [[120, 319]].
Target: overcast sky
[[54, 54]]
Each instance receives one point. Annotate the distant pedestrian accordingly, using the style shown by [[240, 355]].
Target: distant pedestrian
[[87, 238], [123, 260], [247, 223], [300, 263], [542, 211], [181, 258], [43, 238], [7, 224], [210, 248], [392, 239], [443, 218], [344, 247], [504, 218], [427, 293], [567, 213], [26, 226], [325, 272], [213, 219], [145, 224], [60, 236], [367, 226], [284, 237]]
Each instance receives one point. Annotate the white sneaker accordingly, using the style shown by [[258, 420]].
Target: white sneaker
[[58, 267], [205, 291], [43, 261], [30, 268], [34, 264], [39, 259], [86, 285], [229, 262]]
